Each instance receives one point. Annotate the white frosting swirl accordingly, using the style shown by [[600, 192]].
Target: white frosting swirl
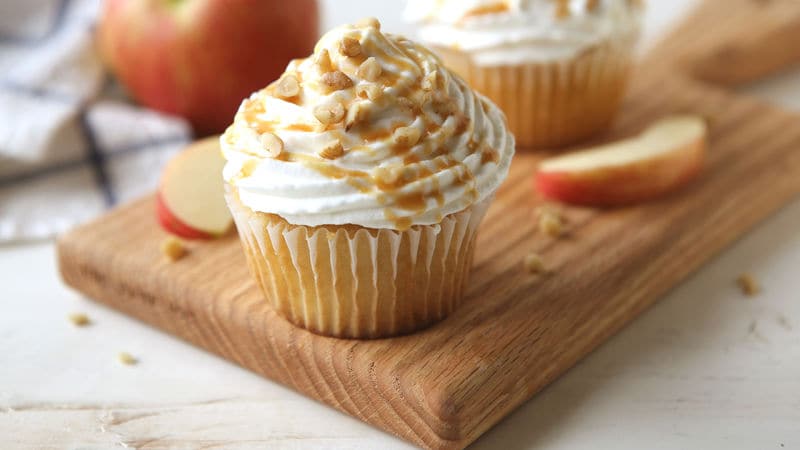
[[509, 32], [412, 144]]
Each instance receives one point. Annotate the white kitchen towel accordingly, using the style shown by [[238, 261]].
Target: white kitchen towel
[[70, 144]]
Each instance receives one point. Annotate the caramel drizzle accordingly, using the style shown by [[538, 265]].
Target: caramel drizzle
[[494, 8]]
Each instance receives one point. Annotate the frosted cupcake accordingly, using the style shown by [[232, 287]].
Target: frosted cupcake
[[557, 68], [357, 182]]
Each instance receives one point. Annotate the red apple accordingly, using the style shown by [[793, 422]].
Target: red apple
[[199, 58], [663, 158], [191, 198]]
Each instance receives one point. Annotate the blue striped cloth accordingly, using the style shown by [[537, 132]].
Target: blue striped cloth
[[71, 145]]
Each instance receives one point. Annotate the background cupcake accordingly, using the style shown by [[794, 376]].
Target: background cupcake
[[357, 182], [557, 68]]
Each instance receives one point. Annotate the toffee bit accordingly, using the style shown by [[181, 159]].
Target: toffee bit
[[430, 81], [273, 144], [534, 264], [369, 91], [370, 70], [79, 319], [444, 105], [406, 103], [388, 175], [172, 248], [288, 86], [332, 151], [323, 61], [406, 136], [748, 285], [369, 22], [127, 359], [336, 81], [330, 114], [357, 113], [350, 46]]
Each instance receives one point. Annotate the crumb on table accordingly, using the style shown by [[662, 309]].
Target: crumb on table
[[534, 263], [748, 285], [127, 359], [79, 319], [173, 248]]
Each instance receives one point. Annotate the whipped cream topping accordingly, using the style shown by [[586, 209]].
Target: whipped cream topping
[[509, 32], [370, 130]]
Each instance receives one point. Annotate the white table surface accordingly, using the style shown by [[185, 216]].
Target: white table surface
[[705, 368]]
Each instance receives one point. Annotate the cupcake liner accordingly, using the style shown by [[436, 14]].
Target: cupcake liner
[[554, 104], [355, 282]]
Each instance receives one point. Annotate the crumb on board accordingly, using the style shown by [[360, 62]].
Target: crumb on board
[[550, 223], [748, 285], [534, 263], [127, 359], [173, 248], [79, 319]]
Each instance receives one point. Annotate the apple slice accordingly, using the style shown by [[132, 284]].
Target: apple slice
[[666, 156], [191, 199]]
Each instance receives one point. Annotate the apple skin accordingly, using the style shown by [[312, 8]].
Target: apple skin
[[176, 226], [199, 58], [190, 201], [625, 185]]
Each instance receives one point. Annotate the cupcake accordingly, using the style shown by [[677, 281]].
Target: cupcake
[[557, 68], [358, 180]]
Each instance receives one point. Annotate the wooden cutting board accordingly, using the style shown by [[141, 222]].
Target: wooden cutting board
[[444, 387]]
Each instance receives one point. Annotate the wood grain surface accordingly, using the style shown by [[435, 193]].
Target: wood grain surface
[[445, 386]]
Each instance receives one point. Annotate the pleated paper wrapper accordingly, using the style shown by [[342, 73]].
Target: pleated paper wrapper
[[354, 282], [554, 104]]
